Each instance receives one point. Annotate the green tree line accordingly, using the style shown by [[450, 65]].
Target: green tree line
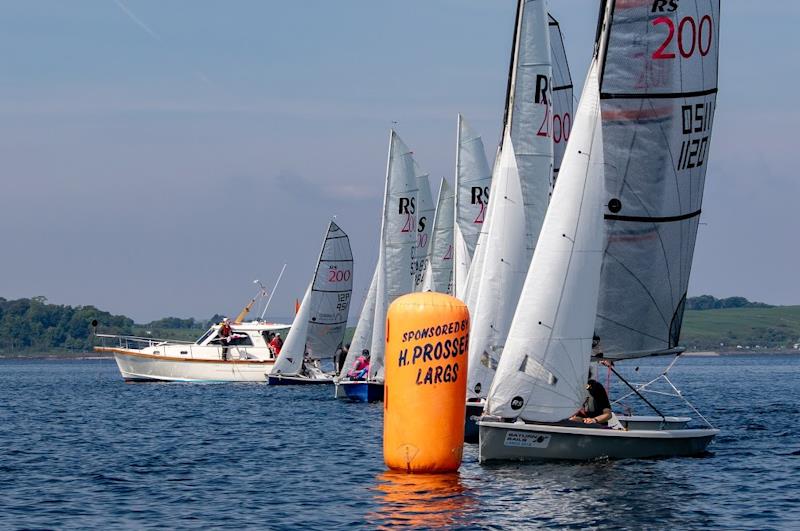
[[34, 326]]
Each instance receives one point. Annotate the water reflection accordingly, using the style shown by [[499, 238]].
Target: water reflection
[[421, 501], [600, 493]]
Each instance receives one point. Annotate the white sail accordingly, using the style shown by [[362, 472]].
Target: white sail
[[501, 276], [319, 326], [472, 181], [563, 116], [425, 211], [395, 273], [525, 163], [542, 374], [290, 360], [658, 95], [362, 337], [439, 271]]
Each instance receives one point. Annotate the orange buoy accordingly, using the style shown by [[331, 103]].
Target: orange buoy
[[427, 339]]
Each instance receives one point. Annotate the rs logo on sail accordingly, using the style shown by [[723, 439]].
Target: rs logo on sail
[[407, 206]]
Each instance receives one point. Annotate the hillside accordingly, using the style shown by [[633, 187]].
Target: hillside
[[771, 328], [34, 327]]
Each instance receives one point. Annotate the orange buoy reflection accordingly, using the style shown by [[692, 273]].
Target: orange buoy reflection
[[421, 500]]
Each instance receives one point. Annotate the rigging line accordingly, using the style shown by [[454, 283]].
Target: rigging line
[[566, 61], [629, 327], [663, 418]]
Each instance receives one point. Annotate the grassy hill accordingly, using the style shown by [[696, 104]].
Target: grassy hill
[[777, 327]]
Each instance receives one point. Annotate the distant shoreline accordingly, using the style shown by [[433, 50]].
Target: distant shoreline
[[87, 356]]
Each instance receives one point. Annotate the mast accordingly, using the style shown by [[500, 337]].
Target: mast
[[457, 249], [512, 74]]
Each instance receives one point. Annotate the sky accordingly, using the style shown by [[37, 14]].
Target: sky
[[157, 157]]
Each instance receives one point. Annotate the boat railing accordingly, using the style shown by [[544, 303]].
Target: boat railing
[[133, 342]]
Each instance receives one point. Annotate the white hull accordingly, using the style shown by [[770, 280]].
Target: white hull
[[135, 366], [506, 441]]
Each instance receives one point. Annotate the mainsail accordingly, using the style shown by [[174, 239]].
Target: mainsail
[[425, 211], [395, 270], [319, 326], [658, 93], [529, 119], [394, 274], [525, 163], [472, 182], [542, 374], [439, 271]]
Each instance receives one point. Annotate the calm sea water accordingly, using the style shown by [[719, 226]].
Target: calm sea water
[[80, 448]]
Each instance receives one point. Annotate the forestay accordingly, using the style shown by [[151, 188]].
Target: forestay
[[439, 271], [542, 374], [658, 92], [319, 326], [396, 273], [472, 181]]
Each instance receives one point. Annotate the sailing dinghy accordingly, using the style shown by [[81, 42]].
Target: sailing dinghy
[[394, 274], [537, 121], [318, 329], [616, 246]]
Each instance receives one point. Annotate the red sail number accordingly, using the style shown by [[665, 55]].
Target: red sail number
[[691, 37], [562, 131], [338, 275]]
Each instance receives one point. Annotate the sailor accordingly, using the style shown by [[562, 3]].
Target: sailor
[[276, 343], [597, 408], [225, 337], [360, 367], [341, 356]]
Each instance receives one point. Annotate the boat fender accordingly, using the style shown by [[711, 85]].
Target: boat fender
[[427, 340]]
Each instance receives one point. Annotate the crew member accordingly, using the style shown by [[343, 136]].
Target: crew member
[[360, 367], [341, 356], [225, 337], [276, 344], [597, 408]]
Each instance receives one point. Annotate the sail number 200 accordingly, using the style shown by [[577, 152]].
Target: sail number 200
[[562, 124], [692, 37]]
